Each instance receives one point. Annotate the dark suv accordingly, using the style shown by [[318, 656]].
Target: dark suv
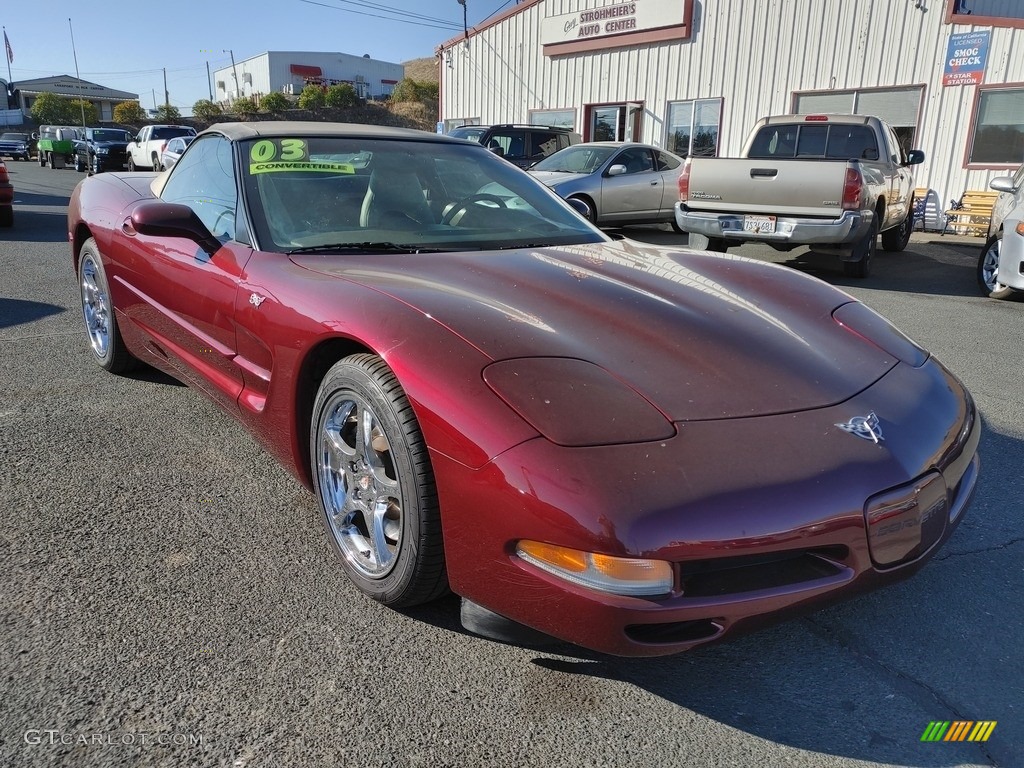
[[522, 145], [102, 149]]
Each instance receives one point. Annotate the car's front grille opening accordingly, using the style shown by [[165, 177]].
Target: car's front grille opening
[[673, 632], [733, 575]]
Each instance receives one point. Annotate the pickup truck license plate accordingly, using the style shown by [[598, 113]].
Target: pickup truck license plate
[[762, 225]]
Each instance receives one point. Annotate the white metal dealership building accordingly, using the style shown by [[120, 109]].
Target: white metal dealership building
[[693, 76]]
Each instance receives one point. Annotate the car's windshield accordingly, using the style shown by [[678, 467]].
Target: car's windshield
[[466, 132], [579, 158], [109, 135], [433, 195], [170, 132]]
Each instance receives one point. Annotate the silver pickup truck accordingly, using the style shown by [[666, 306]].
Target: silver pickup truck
[[831, 182]]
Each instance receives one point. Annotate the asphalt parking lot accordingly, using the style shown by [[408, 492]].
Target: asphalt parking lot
[[168, 597]]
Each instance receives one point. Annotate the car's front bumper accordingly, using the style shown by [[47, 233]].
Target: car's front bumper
[[850, 227], [759, 517]]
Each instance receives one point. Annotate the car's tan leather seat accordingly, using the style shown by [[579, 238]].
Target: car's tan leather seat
[[394, 197]]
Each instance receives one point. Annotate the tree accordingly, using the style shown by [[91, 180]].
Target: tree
[[341, 95], [275, 102], [413, 90], [51, 109], [167, 113], [312, 97], [244, 105], [80, 105], [129, 113], [205, 109]]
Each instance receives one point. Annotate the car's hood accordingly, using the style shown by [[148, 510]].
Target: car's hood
[[702, 336], [551, 178]]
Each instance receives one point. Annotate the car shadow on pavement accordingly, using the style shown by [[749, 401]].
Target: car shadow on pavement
[[36, 227], [19, 311]]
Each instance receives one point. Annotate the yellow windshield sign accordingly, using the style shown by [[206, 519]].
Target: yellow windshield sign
[[276, 166]]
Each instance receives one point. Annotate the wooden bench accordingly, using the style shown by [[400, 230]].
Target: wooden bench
[[974, 213]]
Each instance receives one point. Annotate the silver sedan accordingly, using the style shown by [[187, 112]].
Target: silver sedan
[[615, 182], [172, 150], [1000, 270]]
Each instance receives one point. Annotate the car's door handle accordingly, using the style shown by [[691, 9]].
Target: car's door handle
[[128, 227], [654, 183]]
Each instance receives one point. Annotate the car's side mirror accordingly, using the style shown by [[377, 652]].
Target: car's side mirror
[[617, 170], [915, 157], [1002, 184], [160, 219]]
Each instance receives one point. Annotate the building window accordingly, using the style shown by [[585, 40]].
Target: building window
[[998, 135], [556, 118], [991, 13], [693, 127], [899, 107]]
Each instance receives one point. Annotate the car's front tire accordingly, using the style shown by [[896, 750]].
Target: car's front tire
[[705, 243], [105, 340], [988, 268], [588, 210], [372, 476]]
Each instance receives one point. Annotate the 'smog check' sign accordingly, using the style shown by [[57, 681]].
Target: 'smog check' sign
[[965, 58]]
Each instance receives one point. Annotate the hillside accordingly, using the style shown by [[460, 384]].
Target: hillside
[[421, 70]]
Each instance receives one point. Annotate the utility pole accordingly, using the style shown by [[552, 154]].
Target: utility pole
[[234, 69], [167, 97], [209, 82], [81, 100]]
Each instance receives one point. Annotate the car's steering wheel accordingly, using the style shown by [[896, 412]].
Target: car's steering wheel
[[464, 204]]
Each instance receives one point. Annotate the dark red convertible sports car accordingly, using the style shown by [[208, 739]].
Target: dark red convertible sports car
[[632, 448]]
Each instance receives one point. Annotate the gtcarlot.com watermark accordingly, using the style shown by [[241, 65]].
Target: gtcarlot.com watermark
[[54, 737]]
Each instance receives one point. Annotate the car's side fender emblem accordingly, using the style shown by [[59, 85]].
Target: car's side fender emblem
[[864, 427], [255, 299]]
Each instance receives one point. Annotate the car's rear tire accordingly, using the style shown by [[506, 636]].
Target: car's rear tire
[[131, 164], [705, 243], [105, 340], [42, 159], [897, 238], [157, 166], [988, 268], [866, 250], [79, 166], [373, 479]]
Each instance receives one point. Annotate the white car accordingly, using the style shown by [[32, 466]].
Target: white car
[[1001, 264], [173, 151]]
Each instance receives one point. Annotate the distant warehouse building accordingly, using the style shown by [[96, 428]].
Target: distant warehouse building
[[693, 76], [290, 71]]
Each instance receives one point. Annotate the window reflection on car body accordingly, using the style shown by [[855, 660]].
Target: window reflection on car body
[[366, 246]]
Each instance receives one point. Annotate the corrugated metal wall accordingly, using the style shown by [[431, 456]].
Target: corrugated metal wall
[[753, 55]]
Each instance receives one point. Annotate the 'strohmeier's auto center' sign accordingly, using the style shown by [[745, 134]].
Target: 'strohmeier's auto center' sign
[[615, 18]]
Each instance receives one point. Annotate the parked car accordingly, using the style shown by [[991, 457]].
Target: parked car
[[144, 152], [634, 448], [173, 151], [831, 182], [521, 145], [102, 149], [6, 197], [1001, 263], [614, 182], [17, 146]]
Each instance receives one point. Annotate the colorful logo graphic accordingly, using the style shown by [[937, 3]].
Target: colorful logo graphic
[[958, 730]]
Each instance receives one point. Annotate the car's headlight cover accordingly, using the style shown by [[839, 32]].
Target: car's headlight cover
[[627, 576], [575, 403], [872, 327]]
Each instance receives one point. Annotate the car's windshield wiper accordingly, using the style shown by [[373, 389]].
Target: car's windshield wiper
[[365, 246]]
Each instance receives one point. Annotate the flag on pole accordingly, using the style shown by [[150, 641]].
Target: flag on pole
[[10, 52]]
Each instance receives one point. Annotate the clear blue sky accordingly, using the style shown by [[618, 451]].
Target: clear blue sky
[[126, 45]]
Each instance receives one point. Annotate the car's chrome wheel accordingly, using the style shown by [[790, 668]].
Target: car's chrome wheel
[[988, 269], [95, 307], [98, 311], [372, 475], [359, 486]]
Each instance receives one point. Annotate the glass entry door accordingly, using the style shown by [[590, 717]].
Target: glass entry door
[[615, 122]]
